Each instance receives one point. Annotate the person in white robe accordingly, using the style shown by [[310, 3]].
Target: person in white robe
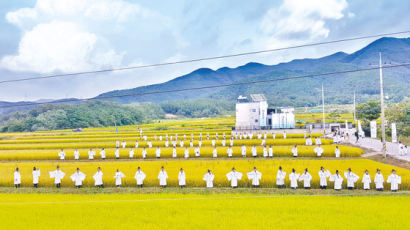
[[191, 144], [174, 152], [323, 175], [102, 153], [91, 154], [118, 178], [58, 176], [174, 144], [280, 178], [136, 144], [265, 152], [270, 154], [139, 177], [233, 176], [166, 144], [117, 153], [351, 179], [273, 136], [259, 136], [117, 144], [295, 151], [308, 141], [186, 153], [217, 136], [250, 136], [214, 153], [197, 152], [162, 177], [131, 153], [181, 143], [145, 138], [263, 142], [200, 143], [379, 180], [231, 142], [318, 150], [318, 141], [243, 150], [144, 153], [98, 178], [229, 151], [223, 142], [160, 138], [255, 176], [181, 178], [366, 180], [306, 178], [338, 181], [209, 178], [293, 178], [284, 134], [78, 177], [36, 176], [76, 154], [17, 178], [265, 136], [61, 155], [158, 152], [149, 143], [124, 144], [394, 181], [337, 152], [213, 142], [254, 152]]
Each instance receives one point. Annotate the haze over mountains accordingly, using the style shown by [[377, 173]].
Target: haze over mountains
[[297, 92]]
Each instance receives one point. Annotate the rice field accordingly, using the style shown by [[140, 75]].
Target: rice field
[[195, 211], [194, 170]]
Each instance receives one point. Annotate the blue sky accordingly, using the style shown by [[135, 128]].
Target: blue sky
[[43, 37]]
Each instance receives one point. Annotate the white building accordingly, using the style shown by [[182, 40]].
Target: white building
[[251, 114], [254, 114]]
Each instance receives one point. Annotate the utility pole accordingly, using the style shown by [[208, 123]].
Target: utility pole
[[354, 107], [323, 109], [382, 104]]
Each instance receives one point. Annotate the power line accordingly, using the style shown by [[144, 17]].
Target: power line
[[201, 59], [207, 87]]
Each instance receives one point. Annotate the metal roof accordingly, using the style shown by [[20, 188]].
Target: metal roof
[[258, 97]]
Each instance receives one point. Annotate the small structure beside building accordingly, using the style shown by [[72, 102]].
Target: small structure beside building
[[254, 114]]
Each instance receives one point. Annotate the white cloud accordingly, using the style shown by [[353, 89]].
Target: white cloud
[[300, 20], [71, 35]]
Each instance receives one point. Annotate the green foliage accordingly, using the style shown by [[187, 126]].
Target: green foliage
[[70, 116], [368, 111], [399, 114], [198, 108]]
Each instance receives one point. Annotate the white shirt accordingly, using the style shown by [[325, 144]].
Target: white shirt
[[118, 176], [318, 141], [323, 175], [295, 151], [351, 179], [61, 155], [197, 152], [254, 153], [308, 141], [17, 177], [102, 153], [158, 153], [209, 178], [76, 155], [131, 153], [394, 181], [58, 175], [243, 150], [265, 152], [174, 152], [162, 177], [144, 153], [36, 175], [117, 153], [214, 153], [306, 178], [181, 178], [91, 155], [337, 152], [229, 152], [338, 179], [366, 180], [140, 176], [280, 178], [293, 177], [223, 142], [78, 178], [213, 142], [379, 180], [255, 176], [186, 153], [98, 178], [136, 144], [124, 144], [318, 150], [233, 177]]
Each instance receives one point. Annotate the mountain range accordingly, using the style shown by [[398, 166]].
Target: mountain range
[[339, 88]]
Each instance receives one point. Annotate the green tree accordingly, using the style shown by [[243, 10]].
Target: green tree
[[369, 111]]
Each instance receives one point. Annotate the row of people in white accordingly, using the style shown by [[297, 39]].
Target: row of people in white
[[267, 152], [255, 176]]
